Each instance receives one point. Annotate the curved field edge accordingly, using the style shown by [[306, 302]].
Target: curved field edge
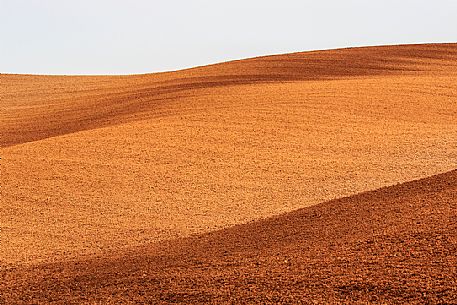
[[38, 107], [393, 245]]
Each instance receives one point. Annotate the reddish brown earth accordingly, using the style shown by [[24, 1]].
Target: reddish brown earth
[[120, 189], [394, 245]]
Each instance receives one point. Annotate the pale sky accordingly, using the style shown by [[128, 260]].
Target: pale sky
[[139, 36]]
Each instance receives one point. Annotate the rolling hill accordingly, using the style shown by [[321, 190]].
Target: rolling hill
[[213, 183], [393, 245]]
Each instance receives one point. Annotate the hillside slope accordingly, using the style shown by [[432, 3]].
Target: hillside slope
[[38, 107], [394, 245], [92, 165]]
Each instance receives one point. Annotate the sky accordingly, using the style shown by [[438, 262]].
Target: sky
[[139, 36]]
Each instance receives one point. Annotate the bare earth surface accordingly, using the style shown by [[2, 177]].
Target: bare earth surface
[[394, 245], [118, 189]]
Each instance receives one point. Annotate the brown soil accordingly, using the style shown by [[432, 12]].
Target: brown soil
[[96, 167], [393, 245]]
